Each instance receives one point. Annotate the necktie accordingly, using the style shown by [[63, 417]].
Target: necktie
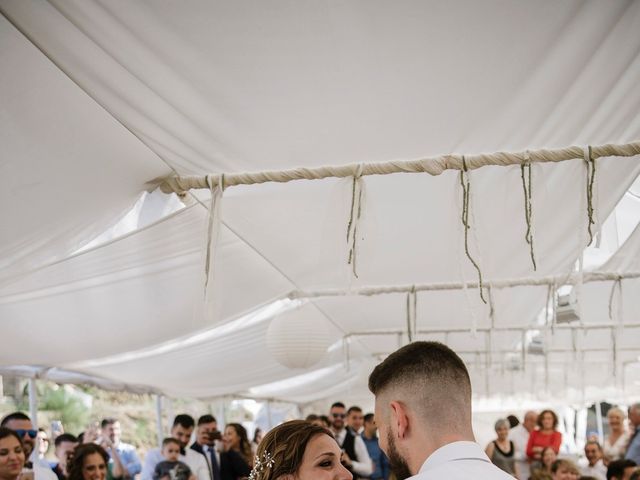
[[215, 468]]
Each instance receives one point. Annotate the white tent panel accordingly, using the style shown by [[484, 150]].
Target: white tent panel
[[148, 285], [215, 362], [215, 87], [69, 169]]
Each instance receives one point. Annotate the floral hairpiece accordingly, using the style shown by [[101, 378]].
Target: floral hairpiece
[[260, 465]]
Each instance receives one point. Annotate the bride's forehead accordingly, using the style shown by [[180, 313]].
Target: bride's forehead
[[322, 443]]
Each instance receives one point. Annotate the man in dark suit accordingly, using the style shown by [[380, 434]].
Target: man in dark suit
[[222, 465]]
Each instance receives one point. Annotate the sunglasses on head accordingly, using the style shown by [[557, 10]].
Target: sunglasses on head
[[339, 415], [21, 433]]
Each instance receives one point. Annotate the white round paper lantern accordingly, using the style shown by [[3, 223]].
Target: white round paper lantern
[[296, 340]]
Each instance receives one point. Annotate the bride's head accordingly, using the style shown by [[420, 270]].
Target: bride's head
[[298, 450]]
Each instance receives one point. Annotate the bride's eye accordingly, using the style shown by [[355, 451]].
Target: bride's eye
[[325, 463]]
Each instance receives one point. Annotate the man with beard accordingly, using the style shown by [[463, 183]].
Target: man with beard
[[423, 413], [65, 445], [181, 430], [355, 456], [128, 456], [21, 424]]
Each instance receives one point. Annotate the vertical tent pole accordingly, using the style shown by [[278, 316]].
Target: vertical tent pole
[[160, 430], [599, 422], [269, 419], [168, 402], [33, 402]]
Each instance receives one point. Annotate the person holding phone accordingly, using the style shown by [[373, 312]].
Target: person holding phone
[[112, 430]]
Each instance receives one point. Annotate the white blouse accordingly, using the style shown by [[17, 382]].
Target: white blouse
[[616, 451]]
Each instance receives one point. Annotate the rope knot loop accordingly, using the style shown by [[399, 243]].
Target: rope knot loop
[[216, 180]]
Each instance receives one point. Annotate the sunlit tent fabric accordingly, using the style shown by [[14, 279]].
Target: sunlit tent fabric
[[100, 99]]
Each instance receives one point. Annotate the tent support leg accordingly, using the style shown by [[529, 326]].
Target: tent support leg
[[33, 402], [160, 430], [269, 419]]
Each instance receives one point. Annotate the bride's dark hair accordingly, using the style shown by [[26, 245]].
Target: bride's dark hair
[[285, 444]]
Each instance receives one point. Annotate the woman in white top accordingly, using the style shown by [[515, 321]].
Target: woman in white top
[[615, 443]]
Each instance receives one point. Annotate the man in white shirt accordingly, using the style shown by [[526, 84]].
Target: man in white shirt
[[423, 413], [519, 435], [181, 430], [355, 456], [595, 468], [21, 424]]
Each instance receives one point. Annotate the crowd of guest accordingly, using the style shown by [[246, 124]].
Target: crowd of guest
[[527, 450], [530, 450]]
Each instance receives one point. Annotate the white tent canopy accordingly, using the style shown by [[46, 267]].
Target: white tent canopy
[[100, 99]]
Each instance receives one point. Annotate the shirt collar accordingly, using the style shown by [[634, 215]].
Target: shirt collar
[[454, 451]]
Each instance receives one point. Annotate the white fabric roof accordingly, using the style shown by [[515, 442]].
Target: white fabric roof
[[100, 98]]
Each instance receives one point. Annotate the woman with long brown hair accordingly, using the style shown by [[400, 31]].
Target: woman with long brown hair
[[235, 438], [300, 450], [12, 456]]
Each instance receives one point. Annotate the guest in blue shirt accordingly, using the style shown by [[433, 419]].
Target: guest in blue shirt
[[128, 456], [380, 462], [633, 449]]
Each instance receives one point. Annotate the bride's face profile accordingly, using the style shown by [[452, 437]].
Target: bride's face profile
[[321, 461]]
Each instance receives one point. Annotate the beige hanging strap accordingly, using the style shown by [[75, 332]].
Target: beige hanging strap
[[466, 193], [525, 173], [216, 186], [354, 218], [591, 178]]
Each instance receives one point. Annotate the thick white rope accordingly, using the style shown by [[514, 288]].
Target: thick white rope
[[571, 279], [432, 166]]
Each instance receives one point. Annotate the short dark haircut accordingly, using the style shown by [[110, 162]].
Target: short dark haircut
[[184, 420], [368, 417], [433, 375], [108, 421], [419, 360], [168, 440], [616, 468], [65, 437], [513, 421], [14, 416], [594, 442], [204, 419], [553, 414], [338, 405], [312, 417], [355, 408], [325, 419]]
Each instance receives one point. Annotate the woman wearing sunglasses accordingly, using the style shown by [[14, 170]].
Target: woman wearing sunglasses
[[12, 456]]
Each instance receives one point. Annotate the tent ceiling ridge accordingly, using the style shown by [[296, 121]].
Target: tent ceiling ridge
[[432, 165], [565, 279], [502, 328]]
